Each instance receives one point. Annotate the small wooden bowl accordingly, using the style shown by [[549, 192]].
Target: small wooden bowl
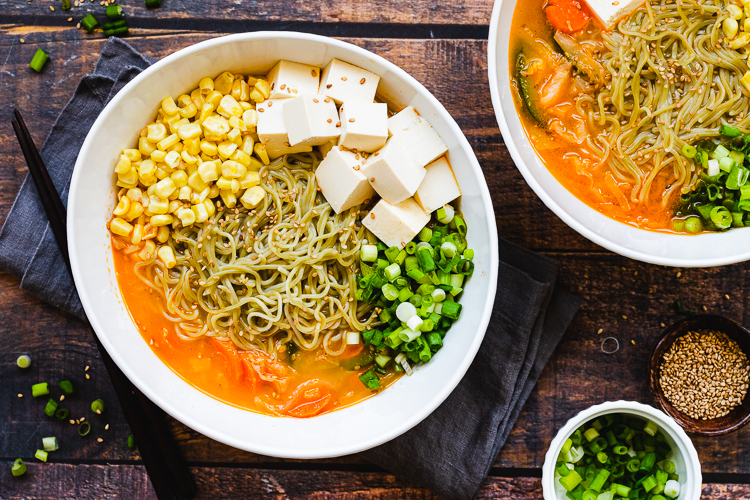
[[730, 422]]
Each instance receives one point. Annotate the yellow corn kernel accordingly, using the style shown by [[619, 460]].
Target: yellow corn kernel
[[174, 205], [213, 192], [148, 251], [123, 165], [147, 168], [156, 132], [168, 142], [180, 178], [232, 170], [129, 179], [223, 82], [241, 157], [187, 158], [746, 79], [252, 197], [730, 27], [132, 154], [189, 111], [247, 145], [260, 152], [157, 206], [256, 95], [245, 105], [184, 100], [135, 211], [158, 156], [210, 208], [122, 206], [251, 179], [214, 98], [215, 128], [164, 188], [138, 233], [189, 131], [197, 98], [168, 106], [223, 183], [734, 11], [185, 193], [235, 136], [250, 117], [134, 194], [162, 234], [209, 148], [208, 171], [145, 147], [236, 122], [193, 146], [255, 164], [172, 159], [186, 216], [206, 85], [177, 148], [196, 182], [166, 255], [740, 41], [120, 227], [745, 2], [206, 111], [150, 190], [161, 220], [201, 214], [162, 171], [173, 123], [235, 186], [236, 91], [226, 149], [229, 107], [264, 88], [147, 180], [230, 200]]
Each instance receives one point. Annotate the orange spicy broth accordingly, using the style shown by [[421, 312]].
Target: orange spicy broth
[[313, 382], [578, 169]]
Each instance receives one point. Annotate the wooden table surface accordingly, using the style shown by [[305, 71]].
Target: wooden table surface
[[443, 45]]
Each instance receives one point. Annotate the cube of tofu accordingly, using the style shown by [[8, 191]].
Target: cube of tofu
[[341, 181], [611, 11], [271, 129], [438, 187], [396, 225], [311, 120], [425, 145], [364, 125], [292, 79], [345, 82], [392, 173]]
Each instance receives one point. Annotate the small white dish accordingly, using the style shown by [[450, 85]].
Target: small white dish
[[683, 452], [92, 198], [703, 250]]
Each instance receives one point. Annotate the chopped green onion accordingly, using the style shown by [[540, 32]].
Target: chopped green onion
[[414, 323], [368, 253], [468, 254], [405, 311], [131, 442], [50, 408], [19, 467], [62, 414], [352, 338], [720, 152], [41, 389], [404, 295], [41, 455], [570, 481], [460, 225], [721, 217], [39, 60], [370, 379], [466, 267], [591, 434], [425, 260], [689, 151], [114, 11], [391, 253], [448, 249], [116, 31], [84, 429], [66, 386], [410, 248], [50, 444], [450, 309], [649, 483], [693, 225], [445, 214], [729, 131], [672, 489], [89, 22], [669, 467], [562, 469], [407, 334], [457, 280], [390, 292], [66, 5], [97, 406], [152, 4], [650, 428], [438, 295], [23, 361], [381, 360], [726, 164], [425, 234], [392, 272]]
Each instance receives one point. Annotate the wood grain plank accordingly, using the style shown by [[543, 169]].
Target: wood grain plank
[[172, 12]]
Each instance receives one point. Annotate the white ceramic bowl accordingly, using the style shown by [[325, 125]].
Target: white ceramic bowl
[[710, 249], [683, 453], [92, 197]]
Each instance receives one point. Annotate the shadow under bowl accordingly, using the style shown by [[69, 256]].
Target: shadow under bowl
[[730, 422]]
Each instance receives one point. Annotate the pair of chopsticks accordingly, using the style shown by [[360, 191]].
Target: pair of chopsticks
[[166, 468]]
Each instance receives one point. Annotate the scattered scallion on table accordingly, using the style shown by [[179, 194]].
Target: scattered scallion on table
[[62, 414], [66, 386], [23, 361], [19, 467], [66, 5], [114, 11], [84, 429], [50, 444], [50, 408], [40, 389], [131, 442], [89, 23], [97, 406], [153, 4], [41, 455], [39, 60]]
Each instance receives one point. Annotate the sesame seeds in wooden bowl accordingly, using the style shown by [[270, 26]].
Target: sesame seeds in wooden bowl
[[699, 374]]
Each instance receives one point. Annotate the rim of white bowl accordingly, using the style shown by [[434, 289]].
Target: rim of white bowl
[[689, 455], [337, 449], [547, 199]]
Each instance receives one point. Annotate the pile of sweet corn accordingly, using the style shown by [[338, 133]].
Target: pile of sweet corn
[[202, 147], [738, 17]]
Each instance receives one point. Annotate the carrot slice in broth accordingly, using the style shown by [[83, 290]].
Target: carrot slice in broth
[[568, 16]]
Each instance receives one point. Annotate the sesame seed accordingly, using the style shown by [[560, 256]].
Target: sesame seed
[[343, 78], [372, 215], [338, 124], [62, 398], [329, 86], [22, 40], [106, 427], [351, 120], [362, 81], [329, 120], [726, 297], [313, 72], [20, 395], [99, 440], [88, 376], [52, 8], [315, 100], [600, 331], [87, 368]]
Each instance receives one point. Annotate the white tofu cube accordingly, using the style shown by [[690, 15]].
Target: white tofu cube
[[292, 79], [311, 120], [341, 181], [611, 11], [425, 145], [345, 82], [396, 225], [364, 125], [438, 187], [271, 129], [392, 173]]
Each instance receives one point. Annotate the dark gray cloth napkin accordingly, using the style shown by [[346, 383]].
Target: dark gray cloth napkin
[[452, 450]]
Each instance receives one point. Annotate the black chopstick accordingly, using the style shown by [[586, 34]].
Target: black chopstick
[[166, 468]]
